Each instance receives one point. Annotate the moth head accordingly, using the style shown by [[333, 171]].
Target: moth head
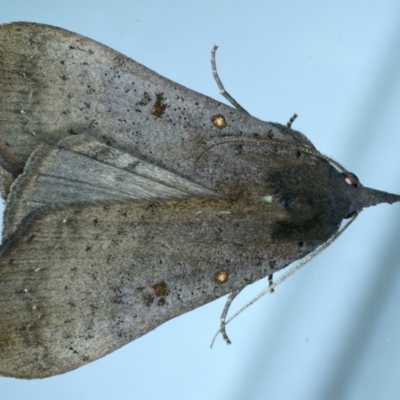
[[362, 197]]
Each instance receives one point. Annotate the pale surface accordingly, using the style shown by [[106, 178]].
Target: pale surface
[[337, 67]]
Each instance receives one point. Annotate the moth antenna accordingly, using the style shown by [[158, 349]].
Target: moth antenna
[[270, 288], [275, 142], [291, 120], [220, 85], [224, 93], [272, 141]]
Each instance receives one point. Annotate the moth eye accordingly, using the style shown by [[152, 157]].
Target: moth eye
[[351, 179]]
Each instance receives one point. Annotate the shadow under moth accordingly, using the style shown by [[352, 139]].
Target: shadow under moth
[[130, 200]]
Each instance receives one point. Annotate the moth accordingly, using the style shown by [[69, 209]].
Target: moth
[[131, 200]]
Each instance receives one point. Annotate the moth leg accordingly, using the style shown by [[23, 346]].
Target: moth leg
[[291, 120], [271, 282], [220, 85], [225, 312]]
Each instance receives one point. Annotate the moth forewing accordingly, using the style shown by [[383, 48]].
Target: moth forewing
[[79, 282], [99, 92]]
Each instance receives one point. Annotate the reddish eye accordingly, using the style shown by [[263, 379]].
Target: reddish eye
[[351, 179]]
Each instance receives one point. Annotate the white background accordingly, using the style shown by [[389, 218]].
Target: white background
[[332, 331]]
